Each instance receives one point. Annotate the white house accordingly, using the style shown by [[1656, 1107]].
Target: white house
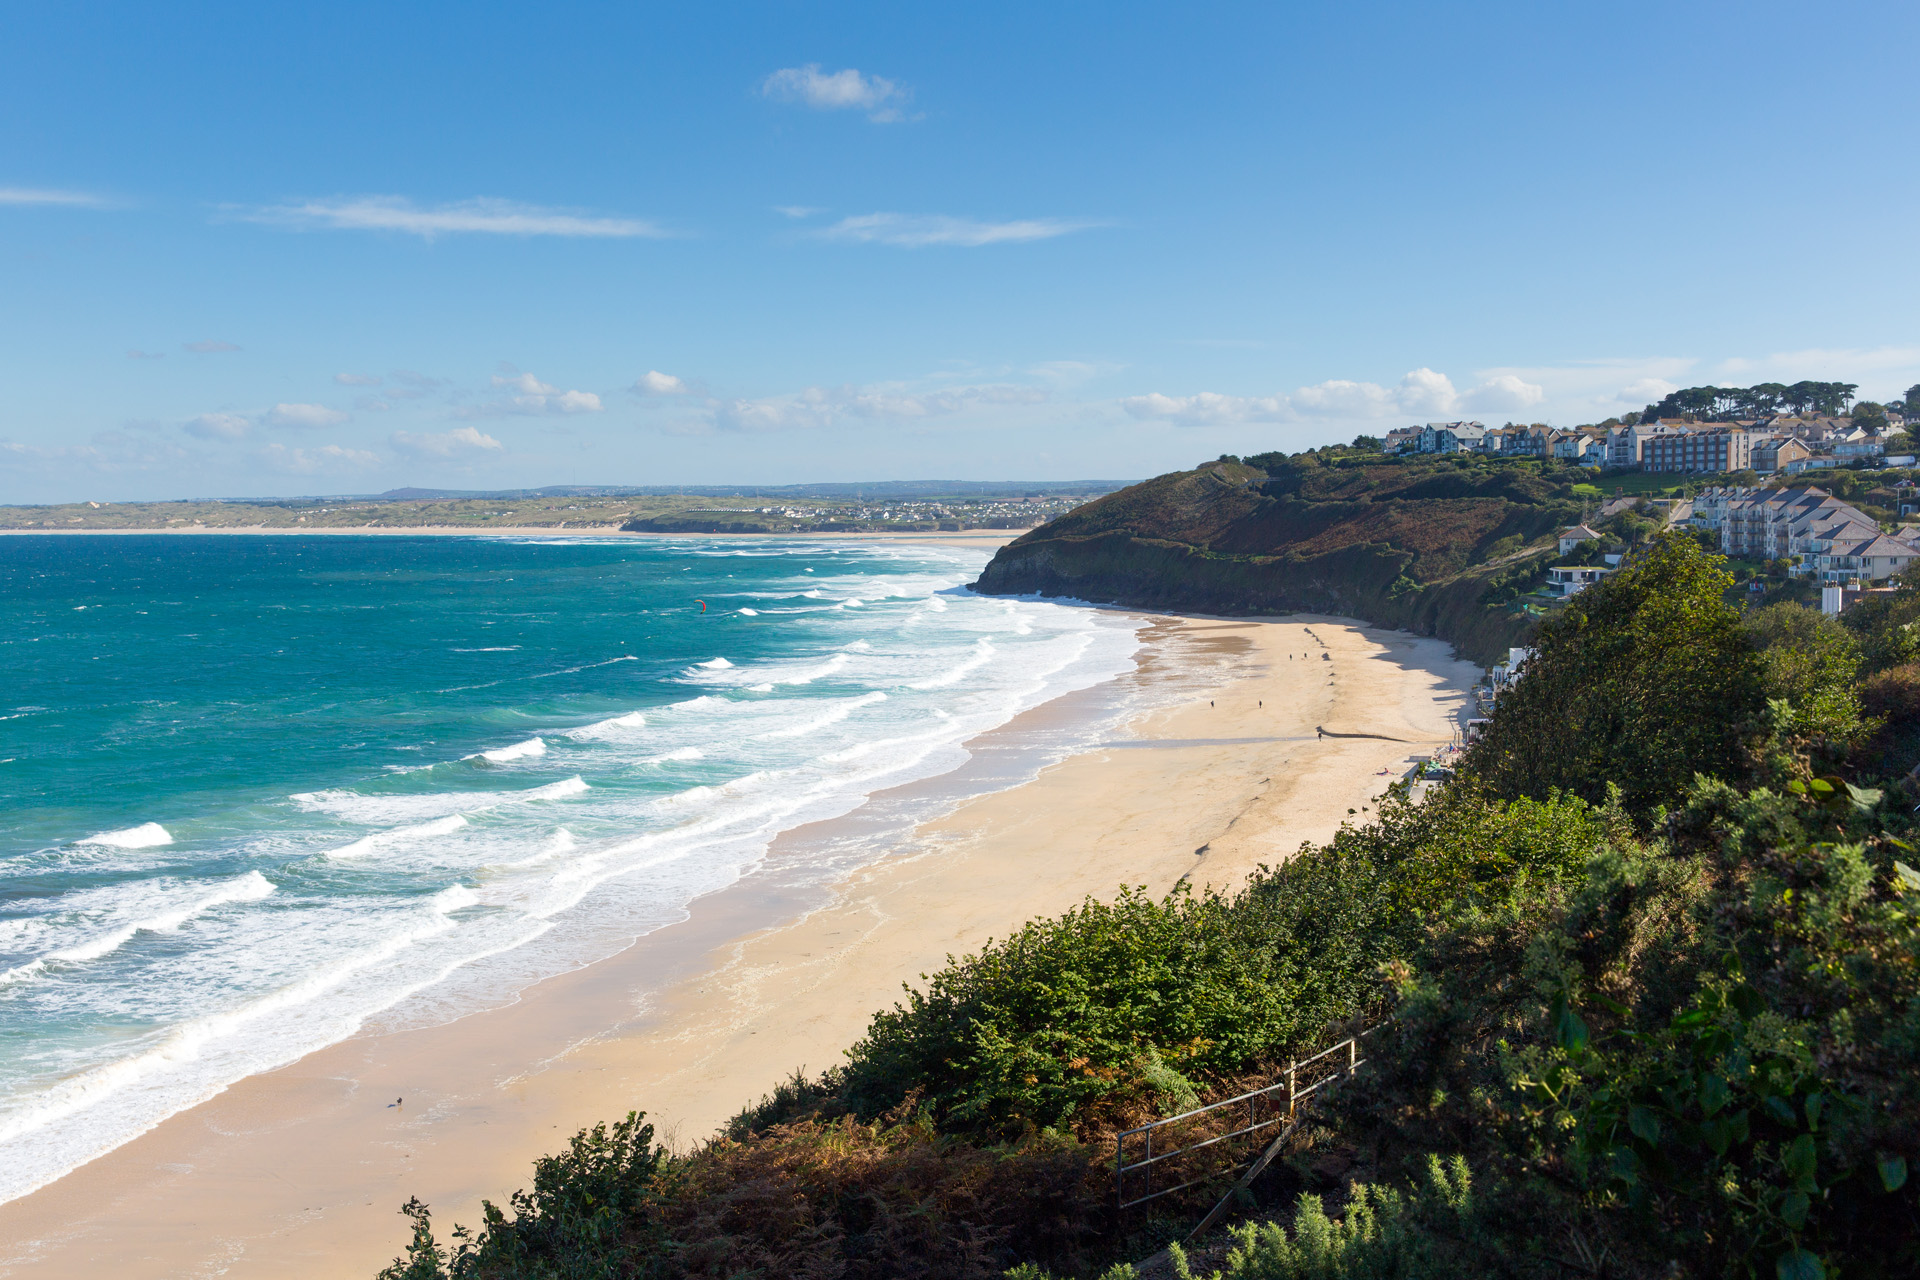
[[1571, 538], [1571, 580]]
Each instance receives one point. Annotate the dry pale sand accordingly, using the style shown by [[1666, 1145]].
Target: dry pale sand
[[299, 1172]]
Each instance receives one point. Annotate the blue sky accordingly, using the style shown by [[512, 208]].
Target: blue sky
[[279, 249]]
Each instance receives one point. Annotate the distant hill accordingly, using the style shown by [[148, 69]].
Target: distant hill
[[1435, 546]]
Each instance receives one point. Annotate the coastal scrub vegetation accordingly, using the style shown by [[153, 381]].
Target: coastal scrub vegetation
[[1646, 978]]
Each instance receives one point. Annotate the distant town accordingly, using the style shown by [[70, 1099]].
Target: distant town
[[931, 506]]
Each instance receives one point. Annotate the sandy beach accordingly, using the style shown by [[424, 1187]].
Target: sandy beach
[[300, 1172]]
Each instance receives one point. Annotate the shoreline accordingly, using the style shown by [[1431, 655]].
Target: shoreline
[[697, 1020]]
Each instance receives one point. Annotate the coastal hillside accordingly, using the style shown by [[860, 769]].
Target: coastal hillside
[[1442, 547]]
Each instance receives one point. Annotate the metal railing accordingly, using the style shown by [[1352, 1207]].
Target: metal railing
[[1180, 1137]]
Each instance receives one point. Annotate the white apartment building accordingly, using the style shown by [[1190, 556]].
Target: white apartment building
[[1835, 541]]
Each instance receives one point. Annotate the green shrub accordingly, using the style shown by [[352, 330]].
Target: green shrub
[[1138, 1003], [1645, 679], [592, 1212]]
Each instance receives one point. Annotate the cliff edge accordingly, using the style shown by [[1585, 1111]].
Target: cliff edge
[[1439, 547]]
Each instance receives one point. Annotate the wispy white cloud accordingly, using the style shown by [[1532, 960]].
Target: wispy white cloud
[[1072, 373], [655, 383], [831, 406], [1209, 409], [483, 216], [218, 426], [1420, 392], [1250, 344], [1589, 390], [209, 347], [134, 353], [846, 90], [305, 415], [42, 196], [919, 231], [526, 394], [796, 210], [405, 384], [1830, 363], [357, 379], [326, 457], [446, 444], [117, 451]]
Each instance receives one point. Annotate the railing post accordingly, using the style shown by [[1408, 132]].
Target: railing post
[[1290, 1070], [1353, 1055]]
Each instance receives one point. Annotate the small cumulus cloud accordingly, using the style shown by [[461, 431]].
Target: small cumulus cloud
[[919, 231], [445, 444], [218, 426], [44, 196], [1420, 391], [484, 216], [1503, 393], [305, 416], [655, 383], [1646, 391], [208, 348], [846, 90], [529, 395]]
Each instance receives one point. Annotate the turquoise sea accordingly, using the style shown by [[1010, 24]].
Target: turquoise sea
[[255, 790]]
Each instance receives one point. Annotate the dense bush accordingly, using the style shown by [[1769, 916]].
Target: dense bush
[[1645, 679], [1812, 662], [1437, 1228], [1701, 1058], [1141, 1001]]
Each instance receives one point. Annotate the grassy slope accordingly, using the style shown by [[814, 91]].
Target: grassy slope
[[1405, 544]]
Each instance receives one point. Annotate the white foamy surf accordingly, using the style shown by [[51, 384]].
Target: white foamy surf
[[421, 892], [147, 835]]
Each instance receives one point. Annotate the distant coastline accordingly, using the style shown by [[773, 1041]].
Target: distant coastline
[[967, 537]]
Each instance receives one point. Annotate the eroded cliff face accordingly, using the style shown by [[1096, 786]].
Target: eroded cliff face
[[1398, 546]]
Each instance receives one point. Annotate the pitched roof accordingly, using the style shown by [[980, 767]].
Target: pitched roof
[[1882, 545]]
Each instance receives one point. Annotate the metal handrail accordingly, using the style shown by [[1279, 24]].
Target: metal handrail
[[1289, 1087]]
